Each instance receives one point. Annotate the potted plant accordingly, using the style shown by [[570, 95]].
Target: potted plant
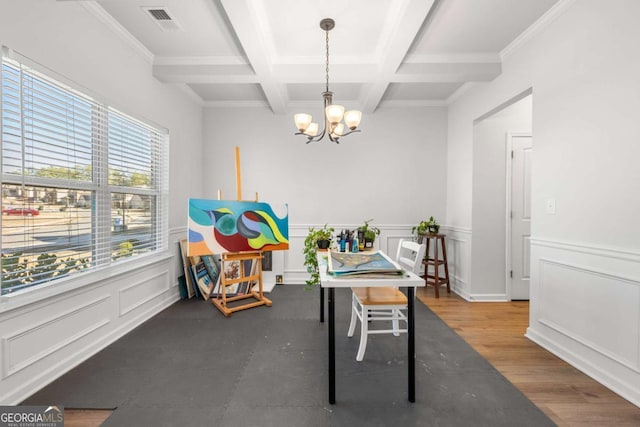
[[434, 227], [425, 227], [420, 230], [369, 233], [316, 239]]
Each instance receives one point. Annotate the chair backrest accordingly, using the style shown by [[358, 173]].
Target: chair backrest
[[410, 255]]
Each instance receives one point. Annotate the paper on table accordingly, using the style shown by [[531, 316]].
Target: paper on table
[[361, 263]]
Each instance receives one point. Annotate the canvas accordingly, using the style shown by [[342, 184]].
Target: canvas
[[217, 226]]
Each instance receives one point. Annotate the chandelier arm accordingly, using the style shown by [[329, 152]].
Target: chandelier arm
[[317, 137], [313, 138], [349, 133]]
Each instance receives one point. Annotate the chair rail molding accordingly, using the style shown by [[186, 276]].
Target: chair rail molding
[[585, 309]]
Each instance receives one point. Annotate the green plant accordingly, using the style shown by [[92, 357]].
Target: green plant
[[17, 274], [424, 227], [420, 229], [13, 271], [310, 249], [370, 232], [125, 249], [434, 227]]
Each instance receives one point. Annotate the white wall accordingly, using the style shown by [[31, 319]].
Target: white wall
[[40, 340], [394, 171], [488, 216], [583, 67]]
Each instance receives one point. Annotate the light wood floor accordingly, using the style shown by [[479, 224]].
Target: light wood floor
[[85, 417], [496, 331]]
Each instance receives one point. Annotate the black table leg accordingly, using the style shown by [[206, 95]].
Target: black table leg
[[332, 346], [412, 345], [321, 304]]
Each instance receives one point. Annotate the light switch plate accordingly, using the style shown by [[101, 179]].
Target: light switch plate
[[551, 206]]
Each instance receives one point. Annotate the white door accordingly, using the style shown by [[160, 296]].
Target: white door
[[521, 146]]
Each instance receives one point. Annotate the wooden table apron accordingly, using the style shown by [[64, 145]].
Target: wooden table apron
[[408, 280]]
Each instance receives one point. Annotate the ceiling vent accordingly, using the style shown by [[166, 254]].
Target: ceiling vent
[[162, 17]]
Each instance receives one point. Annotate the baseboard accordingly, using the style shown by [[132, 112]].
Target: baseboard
[[617, 385], [487, 297]]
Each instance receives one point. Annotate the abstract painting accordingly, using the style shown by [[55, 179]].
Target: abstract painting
[[217, 226]]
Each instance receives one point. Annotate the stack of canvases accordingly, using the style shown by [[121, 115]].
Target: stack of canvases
[[202, 275]]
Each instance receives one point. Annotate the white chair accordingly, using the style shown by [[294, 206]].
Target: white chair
[[384, 303]]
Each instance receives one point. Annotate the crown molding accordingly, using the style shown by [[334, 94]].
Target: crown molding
[[98, 11], [534, 29], [461, 91], [190, 93]]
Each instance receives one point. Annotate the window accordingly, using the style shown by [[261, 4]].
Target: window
[[84, 186]]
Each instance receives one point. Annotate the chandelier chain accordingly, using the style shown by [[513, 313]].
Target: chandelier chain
[[327, 60]]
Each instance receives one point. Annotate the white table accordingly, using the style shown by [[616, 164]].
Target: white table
[[407, 280]]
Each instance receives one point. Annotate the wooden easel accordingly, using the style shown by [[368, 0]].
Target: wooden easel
[[221, 301]]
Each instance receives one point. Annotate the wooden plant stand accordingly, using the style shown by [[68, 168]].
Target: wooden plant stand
[[435, 279], [221, 300]]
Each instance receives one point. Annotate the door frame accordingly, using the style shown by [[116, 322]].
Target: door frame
[[507, 244]]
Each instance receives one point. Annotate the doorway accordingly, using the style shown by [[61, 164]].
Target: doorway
[[518, 235], [491, 193]]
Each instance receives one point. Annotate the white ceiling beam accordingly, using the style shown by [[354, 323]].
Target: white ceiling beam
[[199, 78], [187, 71], [204, 74], [400, 40], [246, 25], [447, 72]]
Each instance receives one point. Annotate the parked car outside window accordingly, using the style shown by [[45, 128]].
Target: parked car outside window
[[20, 211]]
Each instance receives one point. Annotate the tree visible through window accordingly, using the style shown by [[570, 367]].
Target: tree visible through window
[[84, 186]]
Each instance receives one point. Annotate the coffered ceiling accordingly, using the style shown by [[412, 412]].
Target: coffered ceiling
[[272, 52]]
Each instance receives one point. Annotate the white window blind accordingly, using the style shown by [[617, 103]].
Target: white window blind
[[83, 185]]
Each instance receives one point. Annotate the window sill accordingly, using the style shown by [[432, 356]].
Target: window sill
[[38, 293]]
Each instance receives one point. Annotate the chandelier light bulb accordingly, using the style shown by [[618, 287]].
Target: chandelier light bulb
[[302, 121], [352, 119], [334, 113], [338, 130], [312, 130]]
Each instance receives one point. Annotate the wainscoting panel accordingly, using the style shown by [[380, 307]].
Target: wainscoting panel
[[43, 337], [294, 270], [42, 340], [585, 308], [459, 259], [568, 294], [142, 291]]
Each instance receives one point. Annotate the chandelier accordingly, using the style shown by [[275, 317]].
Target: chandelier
[[334, 128]]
